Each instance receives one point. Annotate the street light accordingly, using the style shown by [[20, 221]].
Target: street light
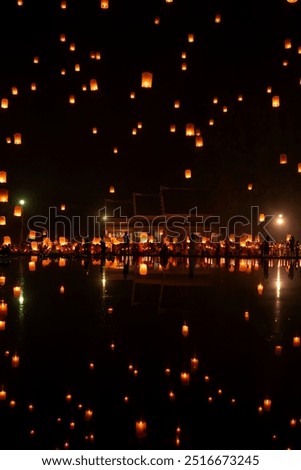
[[22, 203]]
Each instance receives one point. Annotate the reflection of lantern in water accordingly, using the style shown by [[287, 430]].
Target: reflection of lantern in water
[[143, 269], [185, 378], [141, 429], [260, 288], [147, 80]]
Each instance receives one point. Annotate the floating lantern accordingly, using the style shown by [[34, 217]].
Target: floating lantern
[[269, 89], [260, 288], [215, 100], [3, 308], [132, 95], [211, 122], [169, 1], [275, 101], [62, 262], [185, 378], [32, 234], [157, 20], [17, 138], [218, 18], [2, 280], [15, 361], [250, 187], [177, 104], [141, 429], [18, 211], [287, 44], [63, 4], [199, 141], [32, 266], [97, 56], [172, 128], [88, 415], [187, 174], [261, 217], [190, 129], [184, 55], [171, 395], [115, 150], [278, 350], [17, 291], [2, 325], [72, 425], [225, 109], [34, 246], [93, 84], [2, 220], [3, 195], [94, 130], [299, 167], [77, 67], [72, 99], [190, 37], [62, 290], [184, 66], [20, 3], [296, 341], [63, 71], [12, 403], [36, 60], [6, 240], [104, 4], [185, 329], [283, 159], [63, 207], [246, 316], [33, 87], [8, 140], [147, 80], [267, 403], [3, 177], [194, 364], [63, 37], [292, 1], [2, 394], [143, 269], [4, 103], [112, 189]]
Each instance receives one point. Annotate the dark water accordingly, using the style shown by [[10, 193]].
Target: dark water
[[58, 335]]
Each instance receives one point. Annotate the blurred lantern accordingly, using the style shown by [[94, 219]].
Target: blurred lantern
[[250, 186], [92, 55], [6, 240], [246, 316], [285, 63], [77, 67], [275, 101], [146, 80], [2, 394], [62, 262], [63, 37], [17, 291], [141, 430], [267, 403], [33, 86], [32, 266], [269, 89], [17, 211], [32, 234], [134, 131], [72, 47], [115, 150], [283, 159], [187, 174], [112, 189], [17, 138], [2, 280], [36, 60], [185, 329], [260, 288], [292, 1], [185, 378], [296, 341], [225, 109], [63, 241], [8, 140], [172, 128], [278, 350], [189, 129], [211, 122], [261, 217], [72, 99], [287, 44], [177, 104], [63, 207], [14, 90], [3, 177], [168, 1], [194, 364], [104, 4], [157, 20], [97, 56], [215, 100], [4, 103], [3, 195], [62, 289], [184, 55], [132, 95], [2, 325], [184, 66], [88, 415], [93, 84], [20, 3], [15, 360], [63, 71], [94, 130], [84, 87], [240, 98], [139, 125], [2, 220], [63, 4], [190, 37], [34, 246], [218, 18], [143, 269], [199, 141], [3, 308]]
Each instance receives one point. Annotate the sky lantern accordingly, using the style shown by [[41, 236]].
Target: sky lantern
[[77, 67], [2, 220], [190, 129], [31, 265], [215, 100], [17, 211], [172, 128], [63, 4], [275, 101], [17, 291], [184, 55], [190, 37], [199, 141], [184, 66], [132, 95], [92, 55], [115, 150], [33, 86], [240, 98], [71, 99], [267, 403], [72, 47], [157, 20], [36, 60], [143, 269], [112, 189], [287, 44], [218, 18], [146, 80], [4, 103], [94, 130], [187, 174], [17, 138], [283, 159], [269, 89], [177, 104], [296, 341], [260, 288], [14, 90], [141, 429], [185, 329], [63, 71], [97, 55], [292, 1], [299, 167], [104, 4], [20, 3], [3, 177], [185, 378], [211, 122], [2, 325], [3, 195], [63, 37], [84, 87], [15, 360], [250, 187], [6, 240], [63, 207], [93, 84]]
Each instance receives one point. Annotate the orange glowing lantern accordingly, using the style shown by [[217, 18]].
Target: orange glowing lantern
[[157, 20], [63, 4], [177, 104], [20, 3], [240, 98], [4, 103], [3, 308], [63, 71], [17, 291], [278, 350], [36, 60], [261, 217], [299, 167], [2, 280], [94, 130], [246, 316], [3, 177], [215, 100], [184, 55], [225, 109], [62, 290], [63, 207], [172, 128], [250, 187], [141, 429], [296, 341], [287, 44], [97, 55], [283, 159], [194, 364], [269, 89], [184, 66], [185, 329], [199, 142], [2, 325], [34, 246], [32, 234], [77, 67], [72, 99], [17, 211], [104, 4], [143, 269], [17, 138], [6, 240], [32, 266], [211, 122], [267, 404], [187, 174], [190, 37], [190, 129], [15, 360], [63, 37], [33, 86], [260, 288], [2, 394], [275, 101], [62, 262], [93, 84], [88, 415], [147, 80], [112, 189], [3, 195], [218, 18], [2, 220], [185, 378]]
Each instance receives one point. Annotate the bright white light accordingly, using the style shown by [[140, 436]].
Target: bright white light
[[280, 220], [21, 299], [22, 202]]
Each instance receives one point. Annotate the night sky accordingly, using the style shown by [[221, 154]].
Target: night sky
[[62, 161]]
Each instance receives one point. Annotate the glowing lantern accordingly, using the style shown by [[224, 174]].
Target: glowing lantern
[[132, 95], [2, 325], [34, 246], [250, 187], [63, 71], [190, 37], [185, 330], [32, 234], [93, 84], [17, 138], [32, 266], [88, 415], [143, 269], [187, 174], [36, 60], [190, 129], [4, 103], [287, 44], [185, 378], [275, 101], [218, 18], [3, 177], [246, 316], [278, 350], [147, 80], [157, 20], [77, 67], [63, 37], [63, 4], [72, 47], [62, 290], [139, 125], [2, 394], [269, 89], [17, 291], [299, 167], [296, 341], [240, 98], [141, 429], [199, 141], [62, 262], [285, 63], [115, 150], [84, 87], [215, 100], [33, 86], [97, 56], [20, 3], [225, 109], [177, 104], [2, 280], [104, 4], [184, 66], [283, 159], [92, 55], [63, 207], [292, 1], [6, 240], [3, 195], [94, 130], [194, 364], [260, 288], [15, 361], [17, 211], [3, 308], [112, 189], [172, 128], [267, 403], [72, 99], [8, 140], [184, 55], [261, 217], [211, 122]]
